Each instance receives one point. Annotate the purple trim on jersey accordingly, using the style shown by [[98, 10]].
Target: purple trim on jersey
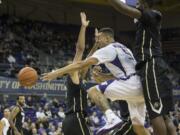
[[103, 86], [118, 63], [122, 48], [127, 77]]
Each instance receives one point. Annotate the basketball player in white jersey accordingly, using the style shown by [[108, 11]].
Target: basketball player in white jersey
[[123, 84], [4, 123]]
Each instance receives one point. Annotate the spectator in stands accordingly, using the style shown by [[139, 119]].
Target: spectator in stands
[[40, 114], [47, 112], [34, 131], [61, 113]]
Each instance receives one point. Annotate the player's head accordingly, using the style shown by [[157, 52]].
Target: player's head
[[6, 113], [105, 36], [21, 100], [146, 4]]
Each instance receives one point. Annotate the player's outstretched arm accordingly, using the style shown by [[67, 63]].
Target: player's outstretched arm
[[80, 46], [69, 69], [125, 9]]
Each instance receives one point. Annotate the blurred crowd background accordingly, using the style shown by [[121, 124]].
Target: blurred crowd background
[[43, 34]]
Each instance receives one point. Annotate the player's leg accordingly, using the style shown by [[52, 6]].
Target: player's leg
[[170, 126], [100, 100], [156, 86], [118, 90], [82, 124], [159, 126], [127, 126], [153, 103], [137, 114], [72, 125]]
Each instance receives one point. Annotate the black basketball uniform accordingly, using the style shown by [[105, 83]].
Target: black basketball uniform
[[75, 122], [151, 67], [18, 121]]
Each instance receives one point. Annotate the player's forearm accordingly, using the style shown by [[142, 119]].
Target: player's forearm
[[117, 4], [68, 69], [125, 9], [94, 48], [76, 67], [81, 39]]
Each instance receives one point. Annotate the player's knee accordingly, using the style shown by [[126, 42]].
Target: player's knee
[[92, 91], [136, 120]]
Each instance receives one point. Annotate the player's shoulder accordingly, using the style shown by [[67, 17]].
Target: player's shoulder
[[117, 45], [4, 120], [15, 108]]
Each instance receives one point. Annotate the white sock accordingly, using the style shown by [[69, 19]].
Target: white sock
[[110, 115], [109, 112]]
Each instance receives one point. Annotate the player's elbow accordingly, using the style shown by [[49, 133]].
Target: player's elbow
[[78, 65]]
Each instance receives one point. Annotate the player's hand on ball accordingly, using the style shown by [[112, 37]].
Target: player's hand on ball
[[84, 20], [49, 76]]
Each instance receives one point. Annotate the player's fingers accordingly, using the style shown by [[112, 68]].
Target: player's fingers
[[44, 74]]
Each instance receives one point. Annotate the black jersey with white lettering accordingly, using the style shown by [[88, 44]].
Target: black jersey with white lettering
[[19, 119], [148, 43], [76, 97]]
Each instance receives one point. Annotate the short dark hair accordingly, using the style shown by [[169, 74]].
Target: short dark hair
[[108, 31]]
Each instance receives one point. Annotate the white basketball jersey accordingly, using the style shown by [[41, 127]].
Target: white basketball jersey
[[117, 58], [6, 127]]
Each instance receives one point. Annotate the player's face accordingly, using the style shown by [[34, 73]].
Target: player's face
[[6, 113], [21, 100], [102, 40]]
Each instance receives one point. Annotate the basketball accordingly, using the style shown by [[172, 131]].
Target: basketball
[[27, 76]]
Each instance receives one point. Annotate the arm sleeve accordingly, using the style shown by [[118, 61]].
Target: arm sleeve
[[106, 54], [150, 17]]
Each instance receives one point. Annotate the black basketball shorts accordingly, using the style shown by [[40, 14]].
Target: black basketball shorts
[[157, 87], [75, 124]]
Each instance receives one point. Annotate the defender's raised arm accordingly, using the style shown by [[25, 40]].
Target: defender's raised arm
[[125, 9]]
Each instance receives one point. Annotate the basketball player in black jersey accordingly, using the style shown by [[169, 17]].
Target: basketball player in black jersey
[[17, 116], [74, 122], [150, 64]]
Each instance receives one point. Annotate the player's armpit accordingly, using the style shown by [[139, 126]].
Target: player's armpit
[[125, 9]]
